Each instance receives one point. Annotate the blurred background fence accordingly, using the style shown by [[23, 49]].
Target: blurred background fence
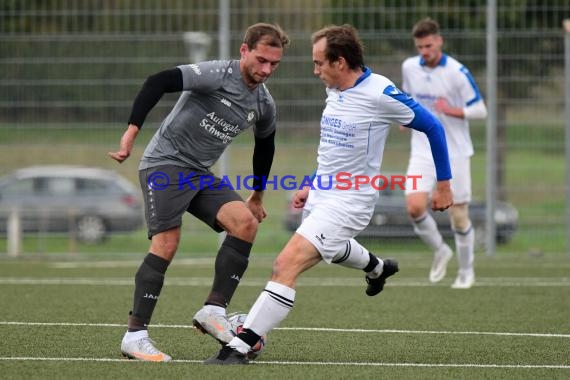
[[69, 70]]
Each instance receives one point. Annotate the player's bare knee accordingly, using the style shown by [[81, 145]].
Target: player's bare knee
[[244, 227], [459, 215], [415, 210], [164, 249]]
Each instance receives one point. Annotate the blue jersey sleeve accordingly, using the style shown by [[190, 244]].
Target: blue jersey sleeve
[[425, 122]]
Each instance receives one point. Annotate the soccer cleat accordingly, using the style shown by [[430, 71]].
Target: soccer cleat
[[464, 280], [218, 326], [375, 285], [227, 356], [439, 266], [143, 349]]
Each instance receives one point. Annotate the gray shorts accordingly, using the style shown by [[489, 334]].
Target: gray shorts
[[169, 191]]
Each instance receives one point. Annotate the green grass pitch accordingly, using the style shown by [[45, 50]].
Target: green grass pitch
[[65, 319]]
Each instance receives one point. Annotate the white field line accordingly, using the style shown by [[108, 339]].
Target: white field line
[[363, 364], [304, 281], [262, 262], [323, 329]]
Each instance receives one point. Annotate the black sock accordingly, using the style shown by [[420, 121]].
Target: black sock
[[249, 337], [372, 263], [231, 263], [148, 284]]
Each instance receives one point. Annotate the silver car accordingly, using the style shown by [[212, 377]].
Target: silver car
[[390, 219], [88, 202]]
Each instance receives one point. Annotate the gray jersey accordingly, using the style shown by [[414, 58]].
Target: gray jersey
[[215, 106]]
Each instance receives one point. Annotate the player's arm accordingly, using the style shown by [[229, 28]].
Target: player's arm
[[300, 197], [472, 111], [152, 90], [263, 154], [126, 144], [425, 122], [404, 110], [405, 87], [409, 113], [474, 105]]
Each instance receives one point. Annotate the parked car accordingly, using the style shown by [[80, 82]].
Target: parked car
[[88, 202], [390, 219]]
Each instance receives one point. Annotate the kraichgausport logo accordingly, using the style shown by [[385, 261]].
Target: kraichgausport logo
[[341, 181]]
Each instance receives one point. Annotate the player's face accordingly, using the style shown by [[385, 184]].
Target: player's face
[[327, 71], [259, 63], [429, 48]]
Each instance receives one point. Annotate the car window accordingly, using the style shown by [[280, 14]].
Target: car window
[[18, 188], [56, 186], [90, 186]]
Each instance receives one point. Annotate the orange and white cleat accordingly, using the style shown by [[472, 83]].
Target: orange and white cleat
[[216, 325], [139, 346]]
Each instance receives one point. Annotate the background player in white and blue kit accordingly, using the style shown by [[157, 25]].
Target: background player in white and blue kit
[[446, 88], [360, 109]]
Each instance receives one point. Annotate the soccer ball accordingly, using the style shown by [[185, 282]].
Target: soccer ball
[[237, 320]]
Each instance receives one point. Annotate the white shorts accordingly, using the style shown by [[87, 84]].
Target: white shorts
[[330, 225], [460, 183]]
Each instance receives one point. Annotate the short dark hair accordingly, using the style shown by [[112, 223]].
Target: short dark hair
[[268, 34], [342, 41], [425, 27]]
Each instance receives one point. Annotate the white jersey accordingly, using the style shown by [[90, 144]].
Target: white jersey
[[354, 127], [453, 82]]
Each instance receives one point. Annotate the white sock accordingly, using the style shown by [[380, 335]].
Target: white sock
[[465, 245], [354, 255], [426, 228], [270, 309], [214, 309]]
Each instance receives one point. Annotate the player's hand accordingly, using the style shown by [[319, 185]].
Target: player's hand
[[300, 197], [442, 197], [255, 204], [119, 156], [441, 105], [126, 144]]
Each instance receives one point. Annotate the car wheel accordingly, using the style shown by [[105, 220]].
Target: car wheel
[[91, 229]]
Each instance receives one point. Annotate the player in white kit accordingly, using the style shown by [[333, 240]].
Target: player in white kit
[[444, 86], [360, 109]]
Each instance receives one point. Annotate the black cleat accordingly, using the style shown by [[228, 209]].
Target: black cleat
[[375, 285], [227, 356]]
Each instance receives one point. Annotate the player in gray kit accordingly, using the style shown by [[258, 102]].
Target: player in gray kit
[[219, 100]]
